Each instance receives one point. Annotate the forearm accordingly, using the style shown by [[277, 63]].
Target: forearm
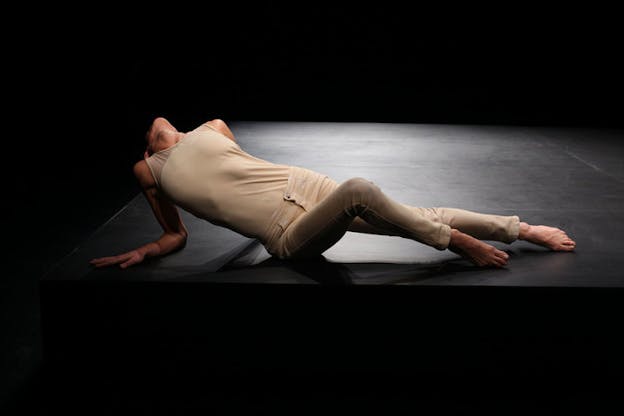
[[167, 243]]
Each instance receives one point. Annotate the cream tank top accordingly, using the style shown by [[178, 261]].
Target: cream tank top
[[211, 177]]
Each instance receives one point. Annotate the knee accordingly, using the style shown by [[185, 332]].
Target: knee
[[359, 186], [360, 194]]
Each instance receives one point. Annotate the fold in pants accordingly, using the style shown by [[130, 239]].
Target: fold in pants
[[359, 205]]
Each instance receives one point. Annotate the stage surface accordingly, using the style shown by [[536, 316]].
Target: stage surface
[[572, 178], [380, 319]]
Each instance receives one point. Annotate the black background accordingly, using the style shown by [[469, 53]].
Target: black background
[[83, 84], [103, 76]]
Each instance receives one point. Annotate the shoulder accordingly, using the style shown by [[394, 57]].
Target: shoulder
[[144, 174], [215, 124], [219, 126]]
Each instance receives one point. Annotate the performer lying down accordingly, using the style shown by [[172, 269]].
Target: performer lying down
[[293, 211]]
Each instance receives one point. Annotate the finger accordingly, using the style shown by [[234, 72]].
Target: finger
[[101, 261], [105, 263], [110, 260], [128, 263]]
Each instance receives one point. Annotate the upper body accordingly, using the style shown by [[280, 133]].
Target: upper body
[[205, 172]]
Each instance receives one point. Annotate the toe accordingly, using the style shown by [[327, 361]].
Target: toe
[[500, 259], [502, 255]]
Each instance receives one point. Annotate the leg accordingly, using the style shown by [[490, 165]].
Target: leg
[[484, 227], [319, 229], [504, 228], [360, 226], [480, 226], [465, 245]]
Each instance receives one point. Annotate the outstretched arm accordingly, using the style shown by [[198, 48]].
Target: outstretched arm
[[174, 232]]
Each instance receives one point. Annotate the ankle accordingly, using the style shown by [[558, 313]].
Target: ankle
[[457, 238], [525, 231]]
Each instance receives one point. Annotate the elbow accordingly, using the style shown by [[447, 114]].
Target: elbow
[[179, 241], [179, 237], [183, 237], [183, 231], [182, 234]]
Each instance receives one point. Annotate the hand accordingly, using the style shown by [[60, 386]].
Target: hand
[[124, 260]]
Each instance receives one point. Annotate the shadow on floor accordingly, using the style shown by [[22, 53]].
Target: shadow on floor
[[325, 272]]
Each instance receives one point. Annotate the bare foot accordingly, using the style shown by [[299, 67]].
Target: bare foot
[[551, 237], [478, 252]]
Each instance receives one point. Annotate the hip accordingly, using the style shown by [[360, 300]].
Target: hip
[[305, 189]]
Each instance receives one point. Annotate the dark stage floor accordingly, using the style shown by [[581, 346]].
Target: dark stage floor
[[377, 319], [569, 178]]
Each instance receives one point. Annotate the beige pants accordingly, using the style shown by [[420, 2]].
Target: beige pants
[[316, 212]]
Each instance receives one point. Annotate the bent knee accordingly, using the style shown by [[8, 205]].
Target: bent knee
[[359, 185]]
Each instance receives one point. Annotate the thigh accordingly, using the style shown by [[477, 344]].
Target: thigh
[[316, 230]]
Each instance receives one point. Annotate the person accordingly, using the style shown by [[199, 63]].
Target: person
[[297, 213]]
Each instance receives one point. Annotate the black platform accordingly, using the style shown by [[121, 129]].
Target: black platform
[[375, 316]]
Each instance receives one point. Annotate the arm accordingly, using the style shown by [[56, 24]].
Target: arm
[[174, 232]]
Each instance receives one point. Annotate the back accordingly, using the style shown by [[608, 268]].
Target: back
[[210, 176]]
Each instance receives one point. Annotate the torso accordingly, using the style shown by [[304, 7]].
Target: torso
[[210, 176]]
